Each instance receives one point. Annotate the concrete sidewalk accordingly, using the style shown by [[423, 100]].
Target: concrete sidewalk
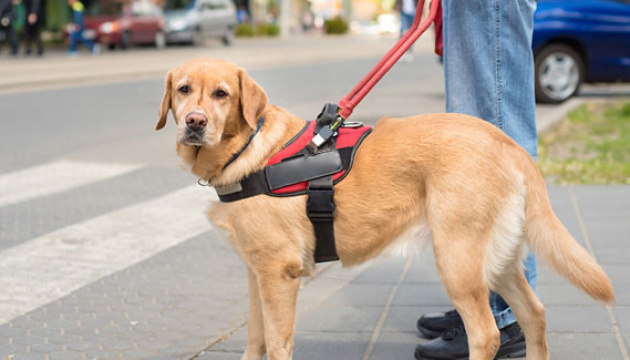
[[370, 312]]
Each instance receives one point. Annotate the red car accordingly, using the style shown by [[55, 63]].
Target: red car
[[121, 24]]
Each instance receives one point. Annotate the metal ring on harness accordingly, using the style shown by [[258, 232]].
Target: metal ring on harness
[[352, 124]]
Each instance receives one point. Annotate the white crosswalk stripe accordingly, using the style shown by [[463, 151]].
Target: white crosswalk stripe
[[53, 265], [55, 177]]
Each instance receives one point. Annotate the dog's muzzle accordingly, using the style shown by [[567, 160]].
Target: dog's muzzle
[[194, 138], [195, 129]]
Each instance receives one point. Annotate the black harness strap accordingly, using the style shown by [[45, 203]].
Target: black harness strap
[[320, 209], [252, 185], [258, 183], [320, 206]]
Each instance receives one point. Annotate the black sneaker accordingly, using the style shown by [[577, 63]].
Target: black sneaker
[[512, 342], [453, 345], [434, 325]]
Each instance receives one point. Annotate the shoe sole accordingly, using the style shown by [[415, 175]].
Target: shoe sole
[[420, 357], [512, 351], [426, 358], [515, 351], [429, 334]]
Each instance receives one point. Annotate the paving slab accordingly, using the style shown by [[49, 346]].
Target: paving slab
[[572, 346], [395, 345]]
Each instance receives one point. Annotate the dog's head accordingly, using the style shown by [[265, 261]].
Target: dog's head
[[211, 100]]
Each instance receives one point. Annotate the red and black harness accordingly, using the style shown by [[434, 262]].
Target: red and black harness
[[301, 168]]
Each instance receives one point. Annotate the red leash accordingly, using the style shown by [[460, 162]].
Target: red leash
[[357, 94]]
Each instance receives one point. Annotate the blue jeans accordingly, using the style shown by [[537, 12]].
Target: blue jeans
[[489, 73], [406, 20], [78, 35]]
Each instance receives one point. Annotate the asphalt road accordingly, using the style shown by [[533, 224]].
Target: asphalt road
[[44, 125]]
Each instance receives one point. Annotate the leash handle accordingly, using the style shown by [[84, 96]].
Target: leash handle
[[348, 103]]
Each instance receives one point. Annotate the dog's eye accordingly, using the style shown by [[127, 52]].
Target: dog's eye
[[184, 89], [219, 94]]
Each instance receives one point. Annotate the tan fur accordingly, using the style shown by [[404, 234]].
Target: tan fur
[[478, 192]]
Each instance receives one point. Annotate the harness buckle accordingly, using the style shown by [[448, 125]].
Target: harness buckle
[[328, 121], [320, 204]]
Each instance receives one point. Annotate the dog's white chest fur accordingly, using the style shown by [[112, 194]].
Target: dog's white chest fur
[[410, 242]]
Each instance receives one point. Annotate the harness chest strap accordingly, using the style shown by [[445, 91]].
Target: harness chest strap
[[289, 172]]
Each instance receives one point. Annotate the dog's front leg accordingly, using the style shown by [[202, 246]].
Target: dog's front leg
[[256, 333], [278, 285]]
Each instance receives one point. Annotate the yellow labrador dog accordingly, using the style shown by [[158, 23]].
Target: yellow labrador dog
[[456, 179]]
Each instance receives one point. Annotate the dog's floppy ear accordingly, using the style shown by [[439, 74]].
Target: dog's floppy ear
[[253, 99], [166, 102]]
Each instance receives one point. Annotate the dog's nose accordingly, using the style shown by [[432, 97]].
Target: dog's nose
[[196, 121]]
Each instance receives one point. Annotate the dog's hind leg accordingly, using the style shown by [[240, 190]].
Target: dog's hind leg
[[458, 258], [278, 284], [256, 333], [529, 311]]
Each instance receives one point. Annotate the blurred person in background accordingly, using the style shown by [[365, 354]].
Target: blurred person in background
[[242, 16], [77, 30], [7, 17], [18, 19], [34, 16], [407, 9]]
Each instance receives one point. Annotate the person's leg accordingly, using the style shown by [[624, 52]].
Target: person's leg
[[406, 20], [487, 45], [37, 33], [87, 42], [489, 73], [405, 23], [32, 34], [489, 66], [74, 37], [13, 40], [28, 36], [3, 34]]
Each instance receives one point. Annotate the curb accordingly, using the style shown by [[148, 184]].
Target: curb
[[555, 113]]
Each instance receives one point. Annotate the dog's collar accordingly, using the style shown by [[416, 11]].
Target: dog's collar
[[249, 140], [206, 180]]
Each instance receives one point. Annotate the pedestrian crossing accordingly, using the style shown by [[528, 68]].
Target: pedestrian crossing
[[51, 266], [55, 177]]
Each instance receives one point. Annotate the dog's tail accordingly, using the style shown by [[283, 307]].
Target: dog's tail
[[549, 239]]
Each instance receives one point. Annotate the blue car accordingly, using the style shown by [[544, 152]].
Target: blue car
[[579, 41]]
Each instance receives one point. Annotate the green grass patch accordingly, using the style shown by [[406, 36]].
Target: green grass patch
[[591, 147], [244, 30], [336, 25], [264, 29]]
